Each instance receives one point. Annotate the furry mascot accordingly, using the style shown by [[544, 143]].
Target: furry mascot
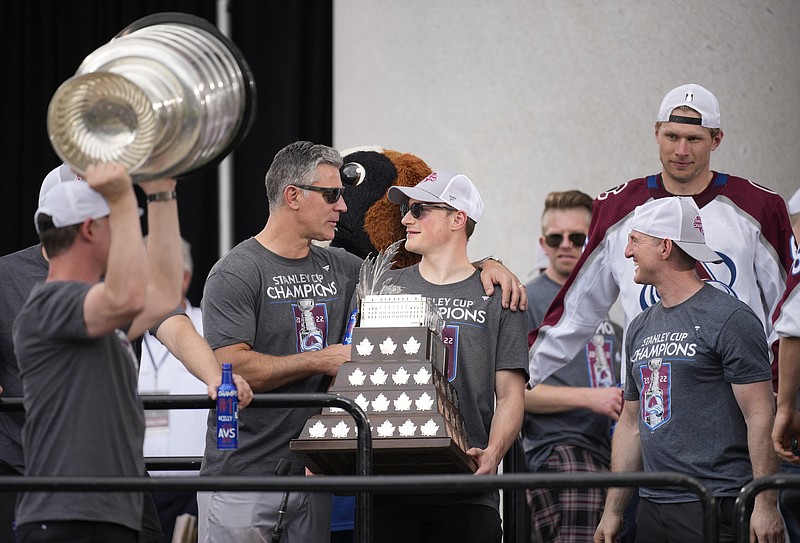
[[372, 223]]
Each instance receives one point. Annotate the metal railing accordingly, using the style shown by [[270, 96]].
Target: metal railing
[[747, 498], [363, 438], [396, 484], [363, 485]]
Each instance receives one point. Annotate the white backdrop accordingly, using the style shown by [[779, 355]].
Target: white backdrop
[[529, 96]]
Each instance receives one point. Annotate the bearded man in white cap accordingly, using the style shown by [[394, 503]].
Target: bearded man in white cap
[[698, 354]]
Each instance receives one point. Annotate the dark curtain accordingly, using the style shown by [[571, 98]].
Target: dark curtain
[[287, 44]]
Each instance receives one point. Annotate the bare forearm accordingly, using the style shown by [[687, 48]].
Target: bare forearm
[[164, 260], [267, 372], [626, 455], [506, 424], [126, 273], [788, 373], [181, 338], [546, 399]]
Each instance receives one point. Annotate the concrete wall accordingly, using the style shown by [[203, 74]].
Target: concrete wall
[[529, 96]]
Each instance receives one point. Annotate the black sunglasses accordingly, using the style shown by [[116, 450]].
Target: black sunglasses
[[554, 240], [417, 208], [330, 194]]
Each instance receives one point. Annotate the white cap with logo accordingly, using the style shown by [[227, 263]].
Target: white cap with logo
[[453, 189], [694, 96], [71, 202], [56, 176], [676, 218]]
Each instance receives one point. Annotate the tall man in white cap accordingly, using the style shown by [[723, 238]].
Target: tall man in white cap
[[745, 223], [696, 355], [486, 358], [72, 344]]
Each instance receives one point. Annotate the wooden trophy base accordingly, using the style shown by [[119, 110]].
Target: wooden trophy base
[[390, 456]]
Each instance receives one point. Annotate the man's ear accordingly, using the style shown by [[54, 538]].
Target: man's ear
[[85, 229], [459, 220], [291, 196], [667, 248]]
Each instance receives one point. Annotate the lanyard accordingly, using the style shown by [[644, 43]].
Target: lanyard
[[156, 366]]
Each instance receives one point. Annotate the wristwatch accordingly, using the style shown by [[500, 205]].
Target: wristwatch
[[162, 196], [483, 260]]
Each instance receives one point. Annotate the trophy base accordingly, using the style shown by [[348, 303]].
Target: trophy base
[[390, 456]]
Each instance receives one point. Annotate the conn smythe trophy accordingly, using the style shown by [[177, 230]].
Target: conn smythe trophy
[[397, 375]]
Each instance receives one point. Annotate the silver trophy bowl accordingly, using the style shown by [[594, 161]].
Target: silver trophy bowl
[[169, 95]]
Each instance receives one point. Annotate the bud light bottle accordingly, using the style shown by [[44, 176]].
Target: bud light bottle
[[227, 411]]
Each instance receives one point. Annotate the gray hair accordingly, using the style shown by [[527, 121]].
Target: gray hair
[[297, 164]]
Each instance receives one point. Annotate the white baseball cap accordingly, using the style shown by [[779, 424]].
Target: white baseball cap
[[676, 218], [694, 96], [453, 189], [71, 202], [794, 203], [56, 176]]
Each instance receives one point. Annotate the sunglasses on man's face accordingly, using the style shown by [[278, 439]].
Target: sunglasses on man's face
[[417, 208], [330, 194], [554, 240]]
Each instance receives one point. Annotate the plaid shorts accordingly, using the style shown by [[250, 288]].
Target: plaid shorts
[[566, 515]]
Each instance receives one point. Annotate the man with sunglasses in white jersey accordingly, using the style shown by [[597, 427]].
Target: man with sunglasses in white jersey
[[568, 417]]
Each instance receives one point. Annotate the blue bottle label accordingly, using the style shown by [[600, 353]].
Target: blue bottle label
[[227, 418]]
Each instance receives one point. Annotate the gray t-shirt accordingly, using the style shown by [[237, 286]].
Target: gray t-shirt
[[280, 307], [482, 338], [596, 365], [83, 412], [682, 362], [20, 272]]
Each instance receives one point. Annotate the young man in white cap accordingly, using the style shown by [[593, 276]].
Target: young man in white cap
[[487, 358], [696, 355], [747, 225], [72, 344]]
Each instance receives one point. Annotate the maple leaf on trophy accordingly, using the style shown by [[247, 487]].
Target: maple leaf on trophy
[[318, 430], [340, 430], [407, 429], [371, 275], [364, 348]]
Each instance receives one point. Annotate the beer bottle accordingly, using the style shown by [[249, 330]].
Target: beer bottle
[[227, 411]]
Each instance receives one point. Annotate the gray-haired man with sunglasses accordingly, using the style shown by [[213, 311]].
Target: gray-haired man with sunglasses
[[276, 307], [568, 417]]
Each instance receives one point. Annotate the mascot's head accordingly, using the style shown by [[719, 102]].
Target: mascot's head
[[372, 223]]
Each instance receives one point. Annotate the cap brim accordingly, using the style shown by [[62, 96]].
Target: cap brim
[[699, 251], [401, 195]]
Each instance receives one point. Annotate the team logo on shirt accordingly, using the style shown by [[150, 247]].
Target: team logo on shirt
[[450, 340], [311, 321], [656, 406], [599, 362]]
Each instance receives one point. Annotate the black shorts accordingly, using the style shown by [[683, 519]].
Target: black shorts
[[682, 522]]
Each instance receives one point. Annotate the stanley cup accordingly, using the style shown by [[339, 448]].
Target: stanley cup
[[168, 95]]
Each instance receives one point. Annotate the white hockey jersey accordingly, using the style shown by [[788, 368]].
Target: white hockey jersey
[[746, 224]]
